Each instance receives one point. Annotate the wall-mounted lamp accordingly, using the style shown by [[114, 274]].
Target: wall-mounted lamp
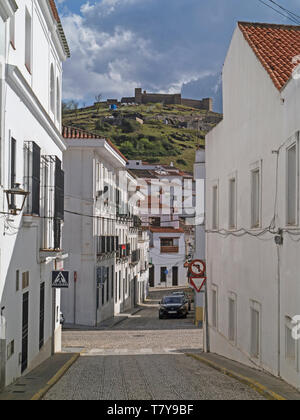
[[16, 198]]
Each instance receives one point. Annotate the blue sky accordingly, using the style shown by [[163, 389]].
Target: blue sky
[[159, 45]]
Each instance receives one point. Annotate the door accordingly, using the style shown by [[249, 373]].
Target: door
[[42, 315], [151, 277], [25, 317], [163, 274], [175, 276]]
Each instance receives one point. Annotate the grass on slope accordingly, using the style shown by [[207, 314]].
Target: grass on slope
[[154, 141]]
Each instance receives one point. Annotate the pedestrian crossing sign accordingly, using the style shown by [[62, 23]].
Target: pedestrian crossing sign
[[60, 279]]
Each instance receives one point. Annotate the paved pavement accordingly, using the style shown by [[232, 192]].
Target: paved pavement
[[143, 358]]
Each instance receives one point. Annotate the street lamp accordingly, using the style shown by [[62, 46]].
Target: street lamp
[[16, 198]]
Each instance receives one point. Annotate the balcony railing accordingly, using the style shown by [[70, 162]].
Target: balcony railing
[[106, 244], [169, 249]]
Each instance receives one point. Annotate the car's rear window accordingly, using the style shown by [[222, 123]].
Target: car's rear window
[[175, 299]]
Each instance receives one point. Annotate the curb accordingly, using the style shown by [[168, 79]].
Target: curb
[[261, 389], [40, 394]]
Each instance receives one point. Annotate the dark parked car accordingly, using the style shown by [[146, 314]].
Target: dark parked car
[[173, 306], [186, 297]]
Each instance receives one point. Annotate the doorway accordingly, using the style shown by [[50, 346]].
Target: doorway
[[25, 325], [151, 277], [175, 276]]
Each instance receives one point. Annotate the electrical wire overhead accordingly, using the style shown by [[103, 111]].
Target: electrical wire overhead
[[293, 17]]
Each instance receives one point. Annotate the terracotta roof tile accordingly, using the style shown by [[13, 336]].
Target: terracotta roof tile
[[54, 10], [78, 133], [275, 46]]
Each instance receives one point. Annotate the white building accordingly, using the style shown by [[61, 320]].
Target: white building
[[167, 214], [253, 199], [32, 49], [101, 232]]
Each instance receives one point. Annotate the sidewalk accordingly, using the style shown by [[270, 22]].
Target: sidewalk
[[269, 386], [105, 325], [37, 383]]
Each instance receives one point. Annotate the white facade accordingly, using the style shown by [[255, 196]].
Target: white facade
[[253, 283], [168, 254], [31, 150], [102, 231]]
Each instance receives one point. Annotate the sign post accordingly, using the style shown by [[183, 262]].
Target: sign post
[[197, 275]]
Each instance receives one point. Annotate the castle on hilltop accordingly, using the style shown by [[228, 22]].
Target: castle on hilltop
[[167, 99]]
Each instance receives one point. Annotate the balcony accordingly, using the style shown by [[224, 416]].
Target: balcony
[[106, 244], [169, 249]]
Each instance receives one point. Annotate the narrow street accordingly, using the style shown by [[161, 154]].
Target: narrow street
[[143, 358]]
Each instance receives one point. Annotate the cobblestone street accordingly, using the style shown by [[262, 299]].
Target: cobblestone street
[[143, 358]]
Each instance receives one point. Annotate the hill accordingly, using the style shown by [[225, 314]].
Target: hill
[[153, 132]]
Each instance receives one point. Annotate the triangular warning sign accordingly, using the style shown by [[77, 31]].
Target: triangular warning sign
[[60, 279], [198, 283]]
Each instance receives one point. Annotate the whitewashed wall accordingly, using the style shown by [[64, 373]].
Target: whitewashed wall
[[256, 122]]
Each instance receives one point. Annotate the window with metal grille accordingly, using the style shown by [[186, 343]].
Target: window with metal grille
[[112, 281], [255, 198], [292, 185], [32, 177], [255, 333], [59, 190], [52, 199]]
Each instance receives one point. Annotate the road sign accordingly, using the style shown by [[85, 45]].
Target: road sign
[[60, 279], [197, 268], [197, 283]]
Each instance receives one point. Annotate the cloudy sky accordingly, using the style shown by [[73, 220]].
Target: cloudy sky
[[159, 45]]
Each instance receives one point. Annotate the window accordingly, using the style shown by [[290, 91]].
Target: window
[[292, 181], [52, 201], [163, 274], [214, 308], [255, 333], [52, 90], [28, 41], [255, 198], [17, 280], [32, 177], [232, 203], [215, 211], [12, 25], [13, 152], [232, 319], [25, 280], [112, 281], [10, 349], [42, 316], [58, 102]]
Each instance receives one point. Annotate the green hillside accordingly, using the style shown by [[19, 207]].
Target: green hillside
[[162, 133]]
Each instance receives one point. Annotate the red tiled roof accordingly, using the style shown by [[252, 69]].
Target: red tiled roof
[[78, 133], [54, 10], [60, 28], [165, 230], [275, 46]]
